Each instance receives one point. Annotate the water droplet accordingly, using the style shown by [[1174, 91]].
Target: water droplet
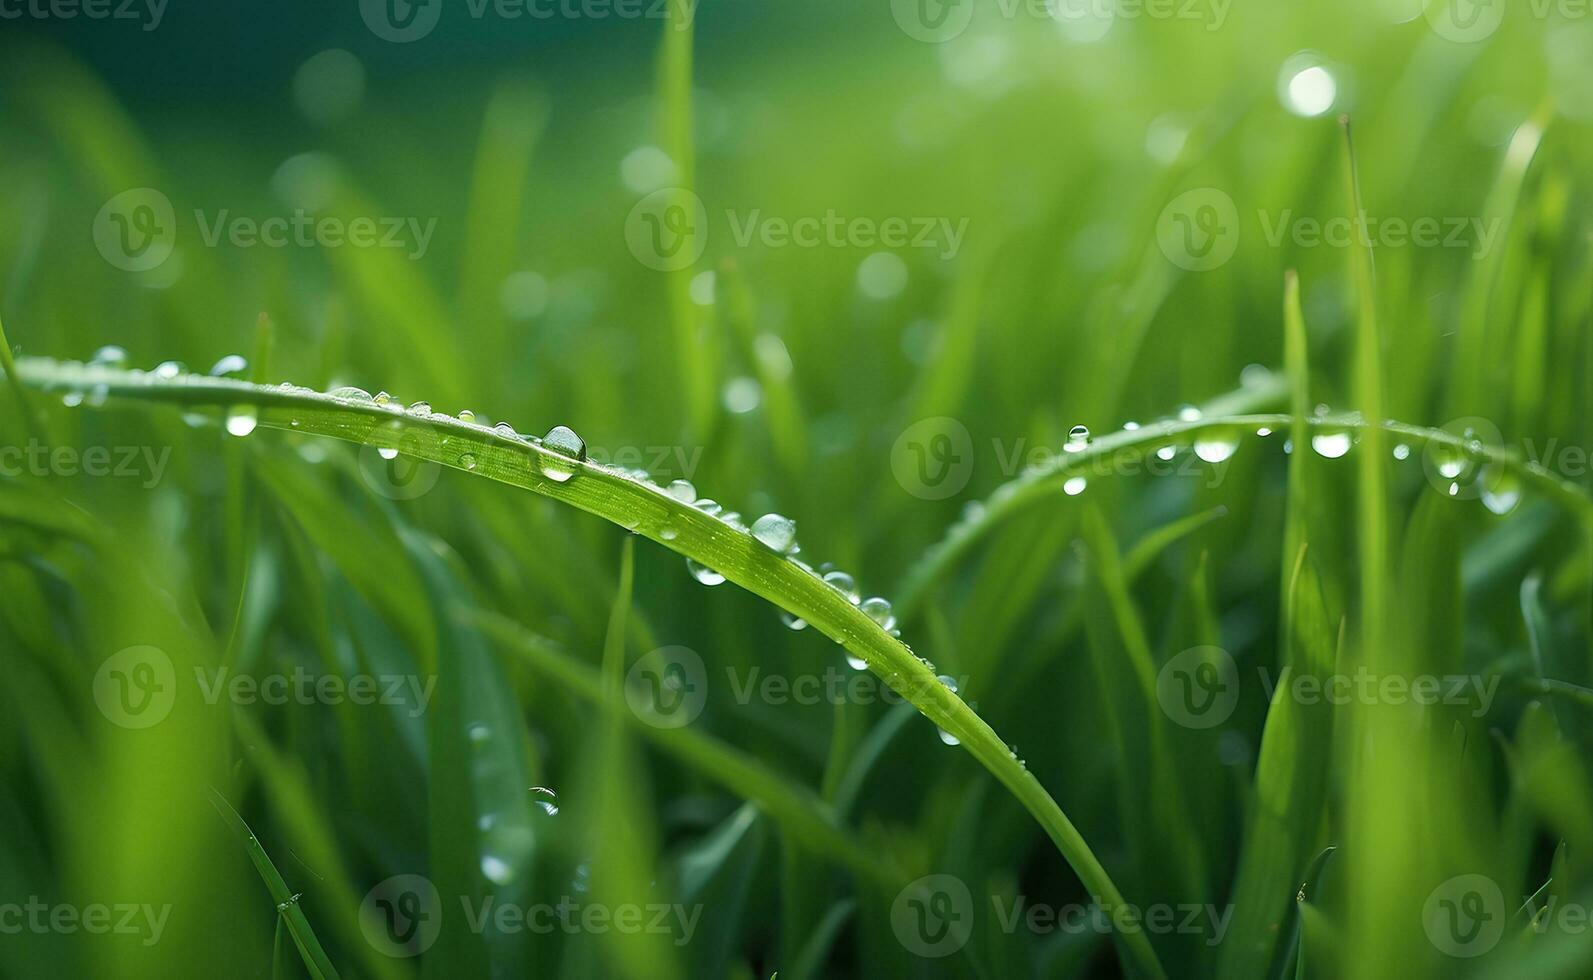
[[1331, 445], [948, 737], [1167, 452], [668, 533], [793, 622], [1130, 426], [775, 532], [1501, 491], [1078, 438], [351, 394], [72, 399], [1214, 448], [949, 681], [387, 452], [467, 461], [496, 869], [683, 491], [466, 415], [230, 365], [1402, 451], [856, 663], [242, 420], [742, 395], [506, 430], [383, 399], [703, 573], [844, 584], [168, 369], [879, 610], [420, 408], [1188, 413], [1263, 432], [1307, 89], [479, 733], [1075, 486], [109, 356], [562, 441], [708, 506]]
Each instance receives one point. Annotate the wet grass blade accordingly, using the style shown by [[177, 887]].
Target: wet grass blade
[[315, 958]]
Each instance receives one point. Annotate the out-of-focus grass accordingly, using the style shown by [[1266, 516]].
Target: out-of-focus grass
[[789, 379]]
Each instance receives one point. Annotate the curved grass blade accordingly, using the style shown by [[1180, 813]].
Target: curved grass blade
[[315, 958]]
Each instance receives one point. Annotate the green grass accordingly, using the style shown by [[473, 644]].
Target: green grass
[[1068, 586]]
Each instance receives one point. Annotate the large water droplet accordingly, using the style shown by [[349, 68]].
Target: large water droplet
[[1215, 448], [844, 584], [496, 869], [1331, 445], [703, 573], [775, 532], [230, 365], [948, 737], [109, 356], [351, 394], [879, 610], [793, 622], [1401, 451], [466, 415], [1188, 413], [166, 370], [1078, 438], [420, 408], [683, 491], [242, 420], [1501, 491], [708, 506], [1075, 486], [856, 663], [562, 441]]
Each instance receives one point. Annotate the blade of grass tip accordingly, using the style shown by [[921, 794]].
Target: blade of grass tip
[[315, 958], [1368, 388], [675, 125], [1504, 200], [24, 401]]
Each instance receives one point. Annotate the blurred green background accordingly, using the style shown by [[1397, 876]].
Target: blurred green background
[[1064, 279]]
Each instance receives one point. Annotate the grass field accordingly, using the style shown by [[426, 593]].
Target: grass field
[[915, 488]]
